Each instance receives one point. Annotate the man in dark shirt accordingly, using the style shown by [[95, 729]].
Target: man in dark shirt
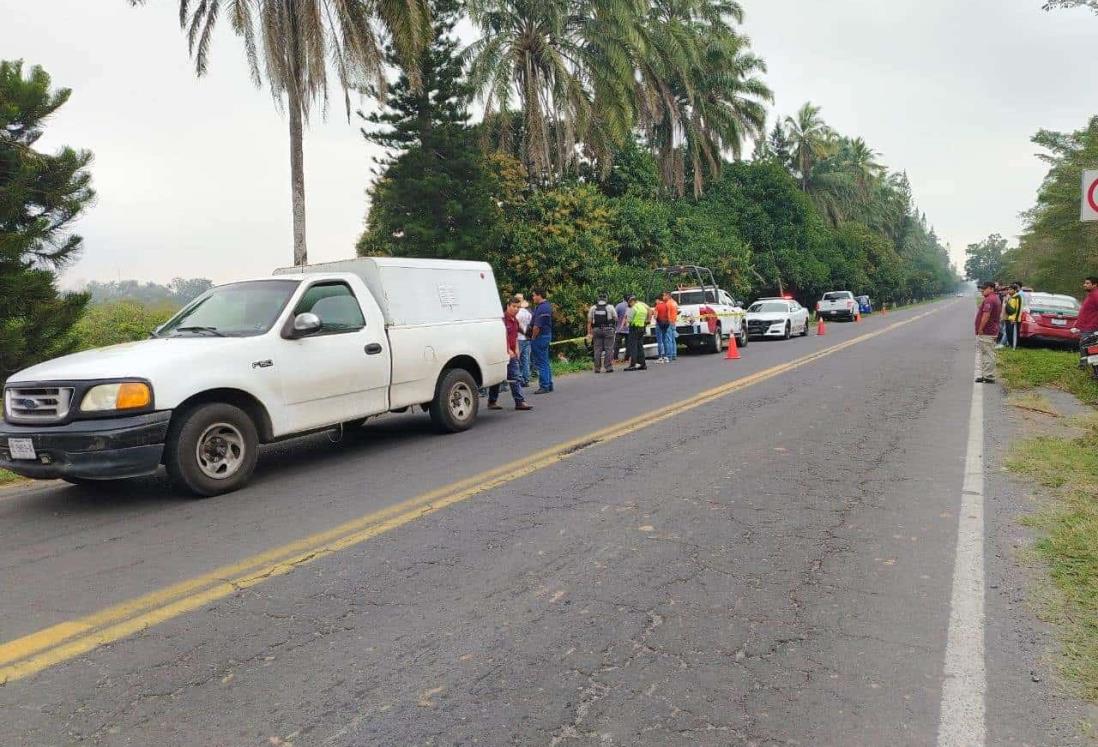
[[987, 330], [541, 334], [513, 372]]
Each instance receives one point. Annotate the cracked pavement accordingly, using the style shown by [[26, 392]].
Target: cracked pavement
[[771, 568]]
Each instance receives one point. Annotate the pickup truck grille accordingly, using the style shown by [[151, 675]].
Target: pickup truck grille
[[46, 404]]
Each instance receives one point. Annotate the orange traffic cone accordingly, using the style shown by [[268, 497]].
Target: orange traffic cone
[[733, 353], [858, 317], [821, 330]]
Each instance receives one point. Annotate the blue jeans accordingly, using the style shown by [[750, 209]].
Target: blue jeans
[[540, 352], [513, 382], [524, 362], [665, 341], [670, 342]]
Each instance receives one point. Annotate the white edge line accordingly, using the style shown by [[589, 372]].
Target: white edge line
[[962, 721]]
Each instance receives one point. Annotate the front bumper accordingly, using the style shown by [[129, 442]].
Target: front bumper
[[766, 329], [91, 449]]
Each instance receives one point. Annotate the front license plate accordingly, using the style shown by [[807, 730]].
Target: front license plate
[[21, 448], [1060, 322]]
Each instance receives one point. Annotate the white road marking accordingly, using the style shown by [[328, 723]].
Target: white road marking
[[962, 720]]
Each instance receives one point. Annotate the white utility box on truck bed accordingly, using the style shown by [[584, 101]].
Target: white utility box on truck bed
[[258, 361]]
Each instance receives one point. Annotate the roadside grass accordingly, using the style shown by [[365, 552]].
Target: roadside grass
[[1029, 368], [1067, 523], [8, 477]]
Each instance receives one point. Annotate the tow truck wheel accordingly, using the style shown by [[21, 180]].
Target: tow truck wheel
[[211, 449], [456, 401]]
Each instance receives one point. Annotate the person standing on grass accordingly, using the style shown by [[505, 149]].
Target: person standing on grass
[[602, 321], [541, 334], [639, 315], [1012, 314], [510, 322], [621, 339], [524, 317], [987, 330]]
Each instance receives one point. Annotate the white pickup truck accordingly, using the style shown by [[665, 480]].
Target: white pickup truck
[[258, 361], [708, 315], [837, 305]]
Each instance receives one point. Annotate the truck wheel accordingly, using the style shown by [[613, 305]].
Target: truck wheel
[[716, 342], [743, 338], [211, 449], [456, 401]]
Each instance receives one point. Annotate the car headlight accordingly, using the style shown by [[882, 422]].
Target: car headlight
[[124, 395]]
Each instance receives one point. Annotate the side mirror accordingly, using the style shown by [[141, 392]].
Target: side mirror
[[306, 324]]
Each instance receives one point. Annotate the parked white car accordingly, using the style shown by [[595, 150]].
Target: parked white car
[[777, 317], [258, 361], [838, 305]]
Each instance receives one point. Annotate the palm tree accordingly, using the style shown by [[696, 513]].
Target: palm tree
[[564, 63], [699, 88], [810, 140], [296, 41]]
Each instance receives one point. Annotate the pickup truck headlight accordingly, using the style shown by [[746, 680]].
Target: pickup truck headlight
[[127, 395]]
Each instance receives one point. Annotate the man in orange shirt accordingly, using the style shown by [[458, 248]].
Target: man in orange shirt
[[667, 313]]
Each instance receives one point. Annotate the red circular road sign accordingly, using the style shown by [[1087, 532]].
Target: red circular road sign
[[1092, 195]]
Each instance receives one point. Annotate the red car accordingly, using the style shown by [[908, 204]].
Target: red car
[[1049, 317]]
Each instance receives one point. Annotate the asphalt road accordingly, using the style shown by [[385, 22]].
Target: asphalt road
[[769, 564]]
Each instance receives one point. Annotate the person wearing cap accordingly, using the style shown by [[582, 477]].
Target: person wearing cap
[[639, 316], [602, 321], [987, 330], [524, 317]]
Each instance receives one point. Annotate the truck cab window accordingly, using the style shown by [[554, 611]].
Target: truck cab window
[[336, 306]]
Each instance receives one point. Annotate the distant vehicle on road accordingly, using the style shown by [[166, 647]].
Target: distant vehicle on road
[[837, 305], [259, 361], [708, 315], [777, 317], [865, 305], [1048, 317]]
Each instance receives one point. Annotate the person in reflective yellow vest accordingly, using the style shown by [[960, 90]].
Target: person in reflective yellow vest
[[639, 317]]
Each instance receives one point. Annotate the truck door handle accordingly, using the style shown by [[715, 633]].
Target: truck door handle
[[373, 348]]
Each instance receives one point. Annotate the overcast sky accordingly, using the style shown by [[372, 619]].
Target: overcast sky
[[193, 174]]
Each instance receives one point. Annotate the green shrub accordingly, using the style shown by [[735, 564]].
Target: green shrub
[[121, 321]]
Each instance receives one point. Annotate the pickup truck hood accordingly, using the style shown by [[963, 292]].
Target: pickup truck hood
[[143, 359]]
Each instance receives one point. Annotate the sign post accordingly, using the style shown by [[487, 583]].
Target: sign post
[[1089, 210]]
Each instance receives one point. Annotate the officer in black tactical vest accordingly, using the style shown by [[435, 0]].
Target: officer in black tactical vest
[[602, 321]]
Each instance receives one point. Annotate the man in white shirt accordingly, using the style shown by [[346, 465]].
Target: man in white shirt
[[524, 317]]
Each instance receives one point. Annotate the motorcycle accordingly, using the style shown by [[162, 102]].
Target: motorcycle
[[1088, 353]]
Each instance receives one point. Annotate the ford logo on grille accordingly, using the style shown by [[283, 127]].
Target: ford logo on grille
[[26, 404]]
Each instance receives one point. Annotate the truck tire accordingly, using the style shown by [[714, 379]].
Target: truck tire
[[456, 401], [211, 449], [716, 342], [743, 338]]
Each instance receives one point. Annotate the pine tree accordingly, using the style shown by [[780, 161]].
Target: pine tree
[[436, 196], [40, 195], [410, 113]]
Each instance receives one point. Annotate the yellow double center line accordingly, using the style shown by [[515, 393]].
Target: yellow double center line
[[31, 654]]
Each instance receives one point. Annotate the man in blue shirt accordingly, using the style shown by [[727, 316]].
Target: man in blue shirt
[[541, 334]]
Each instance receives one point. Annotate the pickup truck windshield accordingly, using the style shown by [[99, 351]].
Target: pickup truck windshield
[[685, 298], [769, 307], [840, 296], [235, 310]]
